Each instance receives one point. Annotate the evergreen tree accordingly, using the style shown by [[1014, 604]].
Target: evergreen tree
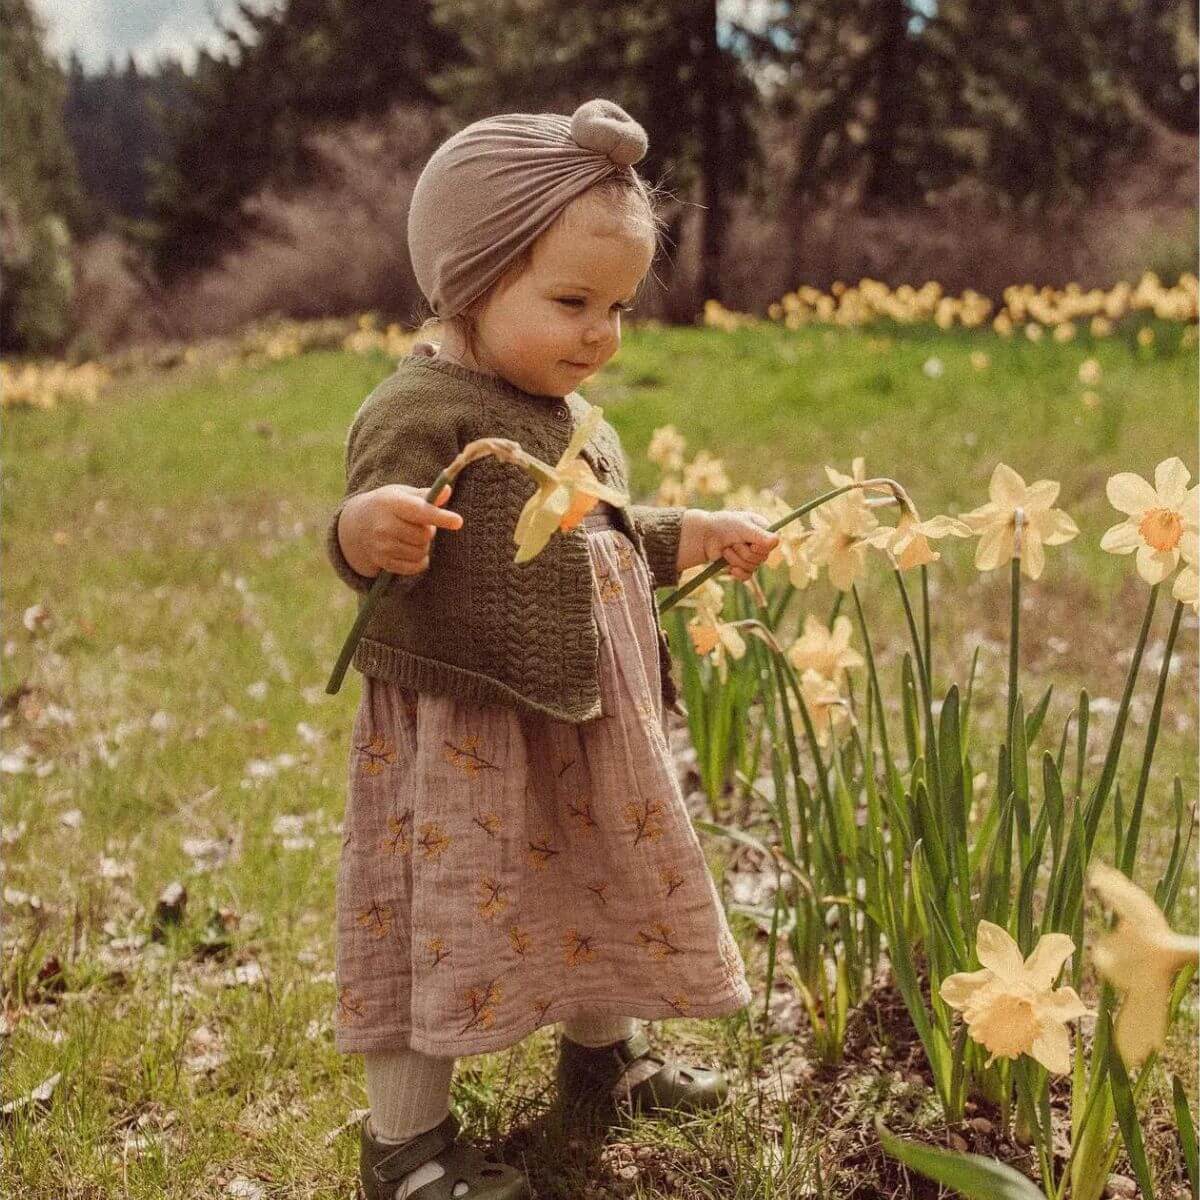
[[249, 110], [39, 194]]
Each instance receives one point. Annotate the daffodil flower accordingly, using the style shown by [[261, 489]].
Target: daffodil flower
[[826, 651], [666, 448], [711, 635], [1186, 589], [708, 598], [908, 543], [840, 529], [1011, 1006], [826, 705], [995, 522], [1140, 958], [566, 492], [792, 549], [1158, 517]]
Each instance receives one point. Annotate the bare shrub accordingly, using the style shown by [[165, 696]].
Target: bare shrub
[[334, 248]]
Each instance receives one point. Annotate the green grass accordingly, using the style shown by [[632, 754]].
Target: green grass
[[191, 625]]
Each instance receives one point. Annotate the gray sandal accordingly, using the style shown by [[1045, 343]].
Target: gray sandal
[[383, 1165]]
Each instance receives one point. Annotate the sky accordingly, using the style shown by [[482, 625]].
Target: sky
[[148, 29]]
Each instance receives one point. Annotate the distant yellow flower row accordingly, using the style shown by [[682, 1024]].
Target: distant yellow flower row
[[1032, 308]]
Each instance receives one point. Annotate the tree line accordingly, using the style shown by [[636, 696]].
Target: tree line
[[887, 102]]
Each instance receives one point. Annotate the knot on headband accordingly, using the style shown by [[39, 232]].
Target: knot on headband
[[606, 128]]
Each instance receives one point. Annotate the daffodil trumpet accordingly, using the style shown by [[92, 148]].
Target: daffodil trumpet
[[564, 495], [899, 496]]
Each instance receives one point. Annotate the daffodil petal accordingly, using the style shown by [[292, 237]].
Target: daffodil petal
[[1121, 539], [1119, 893], [1033, 557], [1055, 527], [995, 548], [1006, 487], [957, 990], [1130, 493], [1155, 565], [1170, 481], [1040, 496], [997, 951], [1063, 1004], [583, 431], [1047, 958], [1052, 1048], [1141, 1024]]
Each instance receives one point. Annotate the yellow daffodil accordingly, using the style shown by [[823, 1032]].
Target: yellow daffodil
[[1187, 582], [823, 650], [1089, 372], [666, 448], [1140, 958], [827, 707], [566, 492], [708, 598], [1158, 517], [706, 475], [1011, 1006], [995, 522], [711, 635], [673, 491], [908, 543], [840, 528]]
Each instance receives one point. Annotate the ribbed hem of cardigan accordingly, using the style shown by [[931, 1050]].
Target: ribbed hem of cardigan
[[491, 383], [432, 675]]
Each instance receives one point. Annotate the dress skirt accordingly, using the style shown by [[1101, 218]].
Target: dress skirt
[[502, 870]]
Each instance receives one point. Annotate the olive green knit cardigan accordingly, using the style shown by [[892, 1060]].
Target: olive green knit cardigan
[[475, 624]]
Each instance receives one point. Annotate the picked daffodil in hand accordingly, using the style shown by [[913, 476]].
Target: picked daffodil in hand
[[566, 491]]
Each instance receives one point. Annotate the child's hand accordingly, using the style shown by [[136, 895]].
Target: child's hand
[[391, 528], [739, 536]]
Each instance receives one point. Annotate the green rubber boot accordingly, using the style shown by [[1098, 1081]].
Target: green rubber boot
[[382, 1166], [588, 1079]]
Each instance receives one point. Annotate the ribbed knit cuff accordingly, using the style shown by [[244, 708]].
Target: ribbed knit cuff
[[348, 575], [660, 528]]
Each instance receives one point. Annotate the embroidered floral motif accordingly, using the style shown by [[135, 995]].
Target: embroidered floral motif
[[437, 950], [541, 852], [481, 1002], [577, 947], [581, 810], [610, 587], [624, 551], [488, 822], [433, 840], [466, 758], [643, 821], [679, 1002], [398, 839], [656, 941], [494, 898], [598, 890], [376, 919], [377, 754], [672, 880], [519, 940], [351, 1007], [541, 1006]]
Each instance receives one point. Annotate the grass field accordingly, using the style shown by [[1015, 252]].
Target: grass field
[[169, 627]]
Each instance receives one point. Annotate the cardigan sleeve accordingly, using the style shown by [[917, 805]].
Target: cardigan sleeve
[[660, 528], [393, 439]]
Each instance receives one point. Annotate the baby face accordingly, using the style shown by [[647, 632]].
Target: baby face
[[559, 321]]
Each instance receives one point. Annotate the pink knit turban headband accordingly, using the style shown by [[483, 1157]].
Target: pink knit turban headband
[[488, 192]]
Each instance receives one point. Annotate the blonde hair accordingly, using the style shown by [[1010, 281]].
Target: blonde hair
[[626, 197]]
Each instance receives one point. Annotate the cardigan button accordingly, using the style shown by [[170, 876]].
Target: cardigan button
[[561, 412]]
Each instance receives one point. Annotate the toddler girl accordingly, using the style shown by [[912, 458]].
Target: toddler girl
[[516, 848]]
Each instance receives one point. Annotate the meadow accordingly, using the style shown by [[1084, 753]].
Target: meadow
[[170, 624]]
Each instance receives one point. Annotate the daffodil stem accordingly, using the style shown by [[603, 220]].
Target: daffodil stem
[[382, 582], [874, 680], [1129, 851], [1014, 644], [925, 624]]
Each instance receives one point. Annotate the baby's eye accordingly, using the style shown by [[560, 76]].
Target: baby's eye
[[569, 300]]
